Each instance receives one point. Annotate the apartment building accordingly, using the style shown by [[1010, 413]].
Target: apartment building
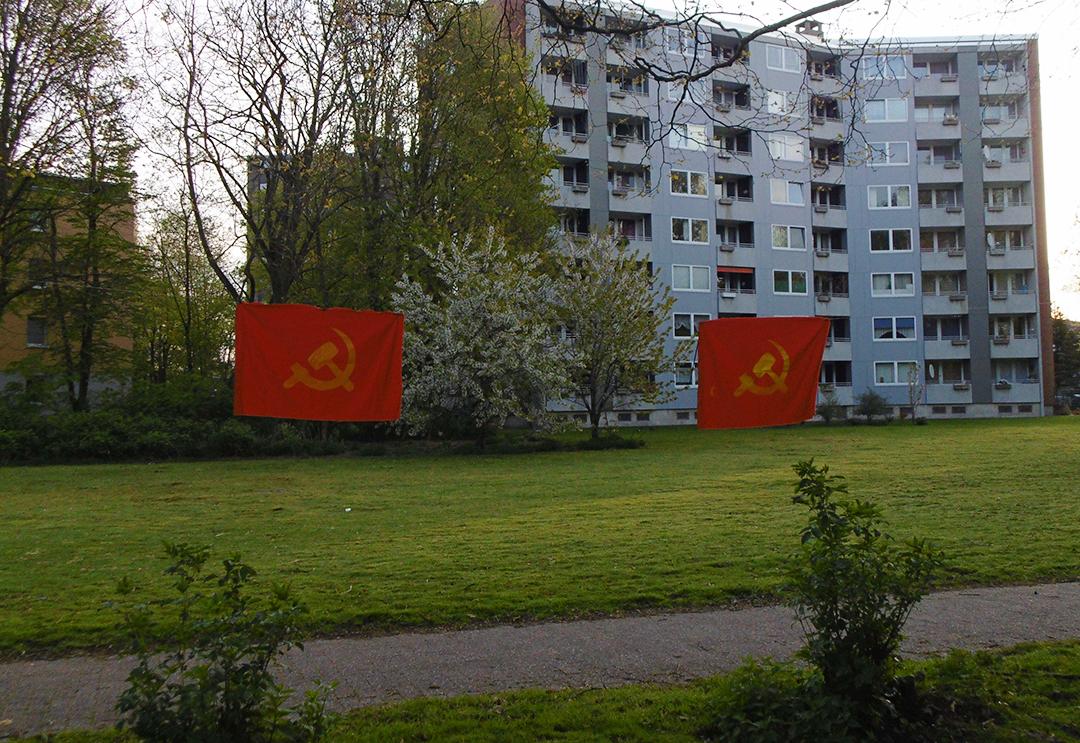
[[896, 191]]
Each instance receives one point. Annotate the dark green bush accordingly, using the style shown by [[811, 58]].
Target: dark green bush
[[870, 405], [214, 683]]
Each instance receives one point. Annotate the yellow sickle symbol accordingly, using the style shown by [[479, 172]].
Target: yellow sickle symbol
[[764, 368], [323, 357]]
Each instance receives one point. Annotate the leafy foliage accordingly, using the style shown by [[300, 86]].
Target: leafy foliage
[[609, 300], [852, 587], [1066, 354], [829, 408], [870, 405], [215, 682], [480, 348]]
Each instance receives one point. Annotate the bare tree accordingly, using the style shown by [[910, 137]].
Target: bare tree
[[45, 45]]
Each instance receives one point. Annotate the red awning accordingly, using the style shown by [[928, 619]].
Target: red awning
[[733, 269]]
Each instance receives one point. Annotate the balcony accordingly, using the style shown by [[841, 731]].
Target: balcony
[[1001, 258], [830, 260], [735, 209], [1003, 83], [943, 128], [949, 393], [564, 95], [828, 215], [735, 255], [736, 162], [1013, 303], [743, 302], [1011, 171], [1018, 392], [944, 260], [941, 216], [573, 194], [570, 144], [1014, 347], [828, 127], [830, 172], [938, 86], [627, 150], [1005, 128], [627, 102], [832, 303], [941, 171], [948, 348], [955, 303], [1005, 216], [630, 199], [837, 349], [845, 394]]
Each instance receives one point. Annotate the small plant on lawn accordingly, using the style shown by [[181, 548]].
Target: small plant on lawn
[[853, 586], [829, 408], [214, 683], [871, 405]]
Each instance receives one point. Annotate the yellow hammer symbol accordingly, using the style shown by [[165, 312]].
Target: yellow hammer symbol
[[765, 368], [323, 358]]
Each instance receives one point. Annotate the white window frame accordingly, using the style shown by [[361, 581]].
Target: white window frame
[[873, 69], [788, 228], [894, 339], [695, 318], [892, 283], [886, 103], [787, 55], [689, 181], [790, 273], [786, 146], [691, 274], [787, 192], [693, 375], [895, 372], [892, 249], [689, 231], [886, 148], [892, 188], [682, 138]]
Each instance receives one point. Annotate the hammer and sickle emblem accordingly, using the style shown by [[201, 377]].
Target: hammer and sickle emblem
[[764, 368], [323, 358]]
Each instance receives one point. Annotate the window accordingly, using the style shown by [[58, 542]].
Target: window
[[789, 282], [686, 374], [689, 183], [880, 110], [685, 325], [688, 136], [680, 40], [884, 67], [889, 197], [785, 237], [782, 58], [781, 102], [892, 284], [894, 372], [690, 278], [890, 241], [689, 230], [888, 153], [36, 332], [786, 192], [938, 112], [786, 146], [894, 328]]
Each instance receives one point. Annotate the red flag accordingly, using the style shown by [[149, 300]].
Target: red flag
[[298, 361], [759, 371]]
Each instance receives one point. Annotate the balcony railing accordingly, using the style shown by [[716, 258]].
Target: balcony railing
[[730, 247]]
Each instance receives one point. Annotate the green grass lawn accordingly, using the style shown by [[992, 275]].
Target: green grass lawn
[[1035, 688], [694, 518]]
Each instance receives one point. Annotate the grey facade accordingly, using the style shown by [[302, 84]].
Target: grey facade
[[897, 192]]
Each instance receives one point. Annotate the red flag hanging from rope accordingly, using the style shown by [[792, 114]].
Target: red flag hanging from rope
[[759, 371], [299, 361]]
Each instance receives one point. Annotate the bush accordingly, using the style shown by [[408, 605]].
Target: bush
[[830, 408], [215, 683], [852, 587], [870, 404]]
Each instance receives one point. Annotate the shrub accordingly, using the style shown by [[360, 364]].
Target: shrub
[[830, 408], [852, 586], [215, 682], [870, 405]]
